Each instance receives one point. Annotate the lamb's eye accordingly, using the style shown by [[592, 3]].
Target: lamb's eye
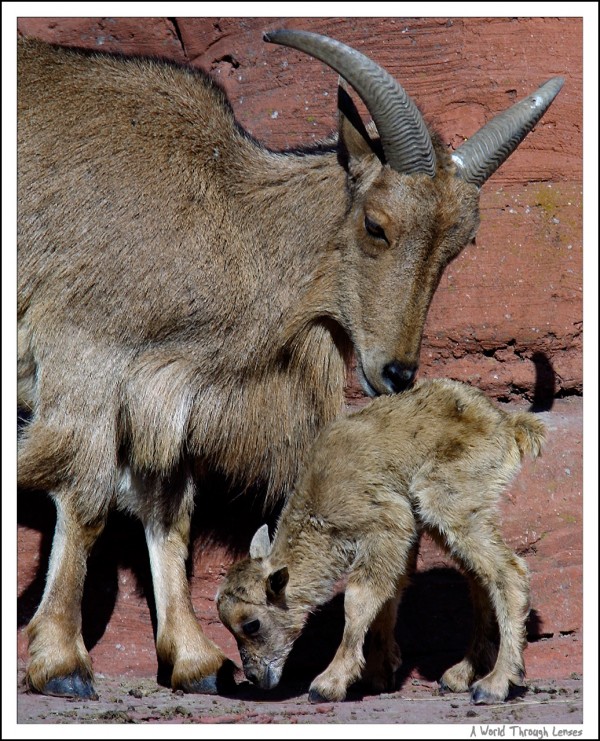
[[375, 229], [251, 627]]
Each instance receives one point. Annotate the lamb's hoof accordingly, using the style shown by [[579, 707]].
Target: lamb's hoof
[[480, 697], [316, 697], [73, 685], [459, 678], [221, 683]]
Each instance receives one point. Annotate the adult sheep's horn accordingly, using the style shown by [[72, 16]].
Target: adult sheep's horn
[[481, 155], [404, 137]]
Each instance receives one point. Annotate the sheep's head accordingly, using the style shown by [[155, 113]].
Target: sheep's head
[[414, 206], [401, 232]]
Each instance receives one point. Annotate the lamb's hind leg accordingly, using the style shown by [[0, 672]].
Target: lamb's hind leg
[[383, 657], [199, 666], [59, 662], [504, 577], [482, 651]]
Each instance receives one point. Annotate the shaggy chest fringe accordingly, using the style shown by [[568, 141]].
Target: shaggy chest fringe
[[254, 432]]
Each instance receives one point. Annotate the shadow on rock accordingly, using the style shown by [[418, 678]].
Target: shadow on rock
[[545, 383]]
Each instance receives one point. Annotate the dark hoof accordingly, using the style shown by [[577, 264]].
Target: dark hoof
[[221, 683], [316, 697], [444, 689], [480, 697], [375, 687], [73, 685]]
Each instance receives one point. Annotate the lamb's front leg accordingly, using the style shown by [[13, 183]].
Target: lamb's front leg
[[387, 558], [361, 606]]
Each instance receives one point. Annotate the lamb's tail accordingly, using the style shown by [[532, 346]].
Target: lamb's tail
[[530, 433]]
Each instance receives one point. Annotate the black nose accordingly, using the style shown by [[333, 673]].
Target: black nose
[[399, 377], [251, 676]]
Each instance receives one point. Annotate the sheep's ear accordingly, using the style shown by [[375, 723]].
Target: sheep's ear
[[354, 140], [276, 584], [260, 547]]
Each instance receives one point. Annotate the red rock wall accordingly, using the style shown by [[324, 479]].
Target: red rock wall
[[517, 293], [514, 296]]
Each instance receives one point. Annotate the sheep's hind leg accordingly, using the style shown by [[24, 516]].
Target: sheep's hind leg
[[60, 664], [199, 666]]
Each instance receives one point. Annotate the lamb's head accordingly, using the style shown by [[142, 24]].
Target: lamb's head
[[413, 207], [252, 604]]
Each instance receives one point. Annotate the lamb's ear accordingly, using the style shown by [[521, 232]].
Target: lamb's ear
[[276, 584], [260, 547]]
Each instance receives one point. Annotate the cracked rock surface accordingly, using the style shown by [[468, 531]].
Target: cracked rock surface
[[507, 317]]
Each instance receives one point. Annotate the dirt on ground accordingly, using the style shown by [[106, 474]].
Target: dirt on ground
[[139, 700]]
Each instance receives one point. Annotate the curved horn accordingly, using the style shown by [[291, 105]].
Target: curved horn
[[481, 155], [404, 137]]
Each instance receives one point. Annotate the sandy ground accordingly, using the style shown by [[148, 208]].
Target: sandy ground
[[138, 700]]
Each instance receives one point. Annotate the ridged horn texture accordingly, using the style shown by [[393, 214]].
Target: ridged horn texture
[[404, 137], [481, 155]]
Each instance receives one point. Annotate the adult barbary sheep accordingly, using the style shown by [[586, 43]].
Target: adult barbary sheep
[[433, 459], [188, 300]]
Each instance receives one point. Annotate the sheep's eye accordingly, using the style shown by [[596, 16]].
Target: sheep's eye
[[375, 229], [251, 628]]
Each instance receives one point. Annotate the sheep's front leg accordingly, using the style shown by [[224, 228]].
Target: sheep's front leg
[[199, 666], [60, 664], [361, 606]]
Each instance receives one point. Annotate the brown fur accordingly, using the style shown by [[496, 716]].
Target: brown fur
[[187, 301], [434, 459]]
